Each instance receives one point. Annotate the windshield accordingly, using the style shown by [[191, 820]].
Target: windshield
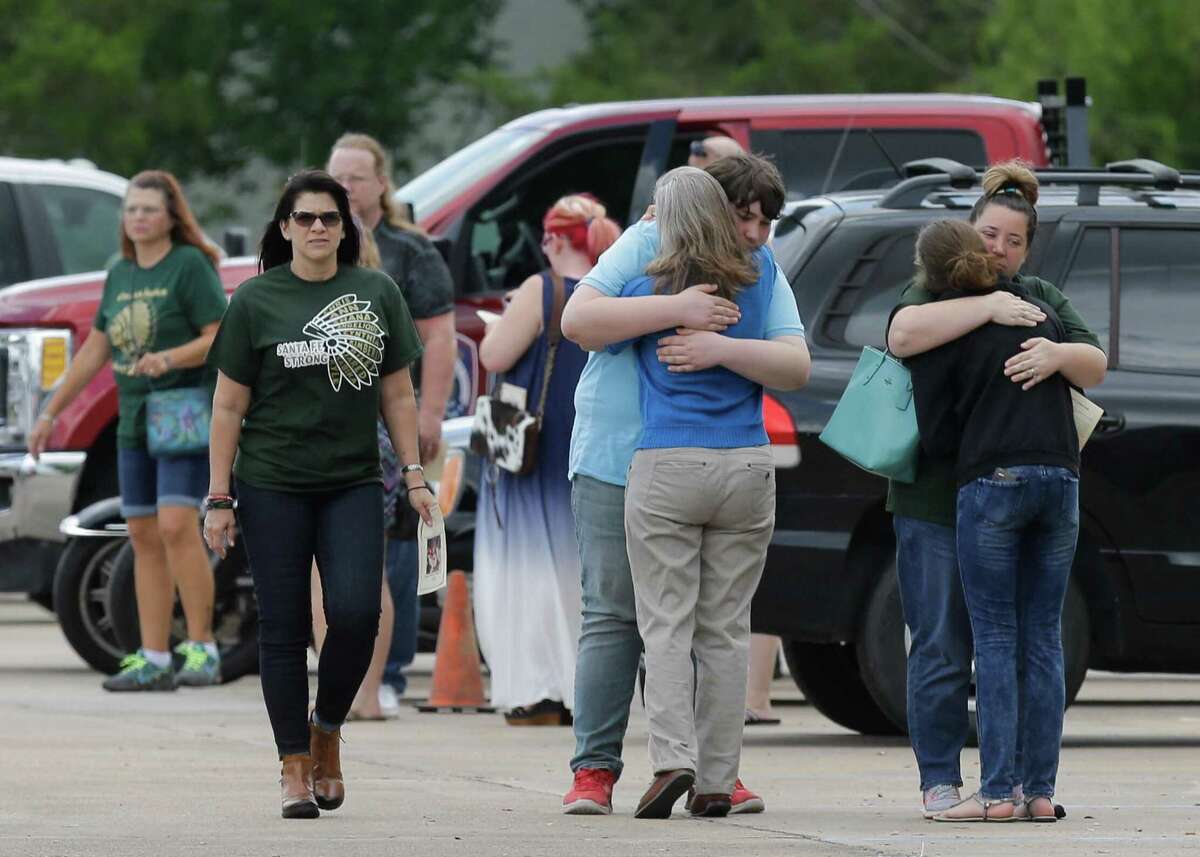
[[442, 182]]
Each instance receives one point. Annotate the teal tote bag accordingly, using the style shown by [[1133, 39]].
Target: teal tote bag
[[875, 423]]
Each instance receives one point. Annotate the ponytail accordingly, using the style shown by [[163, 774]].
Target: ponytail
[[581, 219], [602, 232]]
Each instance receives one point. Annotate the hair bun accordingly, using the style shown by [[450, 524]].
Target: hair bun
[[1013, 177], [969, 271]]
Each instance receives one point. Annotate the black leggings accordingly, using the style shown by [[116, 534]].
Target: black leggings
[[284, 531]]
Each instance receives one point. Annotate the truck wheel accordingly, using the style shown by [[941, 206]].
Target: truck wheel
[[828, 676], [883, 651], [83, 602], [1077, 640], [235, 611]]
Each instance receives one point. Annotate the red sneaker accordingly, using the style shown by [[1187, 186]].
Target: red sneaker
[[592, 792], [744, 800]]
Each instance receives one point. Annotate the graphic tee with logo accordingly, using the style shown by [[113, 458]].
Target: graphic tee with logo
[[313, 354], [152, 309]]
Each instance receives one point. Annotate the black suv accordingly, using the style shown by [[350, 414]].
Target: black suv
[[1124, 245]]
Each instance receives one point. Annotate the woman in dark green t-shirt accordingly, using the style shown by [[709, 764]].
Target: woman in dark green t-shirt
[[309, 354], [158, 314], [939, 661]]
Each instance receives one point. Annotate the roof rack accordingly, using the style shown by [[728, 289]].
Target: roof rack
[[932, 174]]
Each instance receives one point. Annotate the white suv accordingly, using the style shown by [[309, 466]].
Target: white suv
[[56, 218]]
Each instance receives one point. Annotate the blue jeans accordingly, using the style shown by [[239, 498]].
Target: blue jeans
[[1016, 543], [939, 661], [284, 531], [401, 572], [610, 646], [148, 482]]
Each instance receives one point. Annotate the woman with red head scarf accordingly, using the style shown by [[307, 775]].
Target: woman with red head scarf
[[527, 598]]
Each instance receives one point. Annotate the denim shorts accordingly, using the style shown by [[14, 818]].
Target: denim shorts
[[148, 483]]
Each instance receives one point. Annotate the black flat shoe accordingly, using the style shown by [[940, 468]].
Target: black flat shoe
[[547, 712]]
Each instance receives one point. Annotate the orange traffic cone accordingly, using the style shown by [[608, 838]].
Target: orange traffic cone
[[457, 678]]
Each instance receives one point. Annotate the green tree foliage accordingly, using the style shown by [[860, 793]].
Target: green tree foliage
[[112, 81], [202, 87], [307, 72], [673, 48], [1141, 59]]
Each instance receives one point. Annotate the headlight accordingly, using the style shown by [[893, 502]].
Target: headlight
[[32, 363]]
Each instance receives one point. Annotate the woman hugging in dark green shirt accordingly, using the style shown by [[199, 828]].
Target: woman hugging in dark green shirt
[[939, 661]]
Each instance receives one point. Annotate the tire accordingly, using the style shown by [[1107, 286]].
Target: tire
[[882, 649], [235, 611], [1077, 640], [83, 601], [829, 677]]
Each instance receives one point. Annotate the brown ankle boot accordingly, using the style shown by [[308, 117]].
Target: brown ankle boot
[[295, 780], [328, 787]]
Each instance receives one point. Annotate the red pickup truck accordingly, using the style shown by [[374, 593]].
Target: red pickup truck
[[483, 206]]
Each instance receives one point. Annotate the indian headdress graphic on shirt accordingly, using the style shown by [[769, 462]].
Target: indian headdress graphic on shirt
[[130, 333], [346, 339]]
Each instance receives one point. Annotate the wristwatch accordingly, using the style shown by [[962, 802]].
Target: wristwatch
[[412, 468]]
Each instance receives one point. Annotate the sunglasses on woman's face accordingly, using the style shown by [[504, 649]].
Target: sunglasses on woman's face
[[305, 219]]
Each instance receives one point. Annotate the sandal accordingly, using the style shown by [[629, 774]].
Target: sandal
[[978, 808], [1023, 810], [753, 718]]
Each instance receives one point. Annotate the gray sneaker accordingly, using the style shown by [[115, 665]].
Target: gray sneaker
[[137, 673], [200, 669], [939, 799]]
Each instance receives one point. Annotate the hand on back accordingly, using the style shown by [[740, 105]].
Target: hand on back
[[1010, 310], [700, 309]]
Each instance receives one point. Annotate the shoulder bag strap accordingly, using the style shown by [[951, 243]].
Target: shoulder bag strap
[[553, 336]]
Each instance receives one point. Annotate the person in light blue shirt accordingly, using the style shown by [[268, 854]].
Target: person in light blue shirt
[[606, 431], [700, 497]]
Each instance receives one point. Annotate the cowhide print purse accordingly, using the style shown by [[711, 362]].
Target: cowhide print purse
[[505, 435]]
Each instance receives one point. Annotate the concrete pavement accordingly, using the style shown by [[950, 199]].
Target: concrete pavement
[[193, 772]]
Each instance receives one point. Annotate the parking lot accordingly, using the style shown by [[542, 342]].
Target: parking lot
[[94, 774]]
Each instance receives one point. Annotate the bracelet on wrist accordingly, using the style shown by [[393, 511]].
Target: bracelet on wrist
[[412, 468], [412, 488], [49, 418], [219, 501]]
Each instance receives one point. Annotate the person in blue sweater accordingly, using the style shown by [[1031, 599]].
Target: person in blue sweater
[[604, 438], [700, 501]]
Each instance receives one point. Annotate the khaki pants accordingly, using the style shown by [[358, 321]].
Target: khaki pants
[[697, 523]]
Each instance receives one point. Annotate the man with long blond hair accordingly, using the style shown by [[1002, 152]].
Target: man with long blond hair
[[361, 165]]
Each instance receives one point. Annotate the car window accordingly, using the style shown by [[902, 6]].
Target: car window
[[858, 309], [824, 161], [85, 224], [1160, 299], [14, 261], [447, 179], [1088, 283], [505, 229]]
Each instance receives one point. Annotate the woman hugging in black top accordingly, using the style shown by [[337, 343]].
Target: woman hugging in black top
[[1017, 465]]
